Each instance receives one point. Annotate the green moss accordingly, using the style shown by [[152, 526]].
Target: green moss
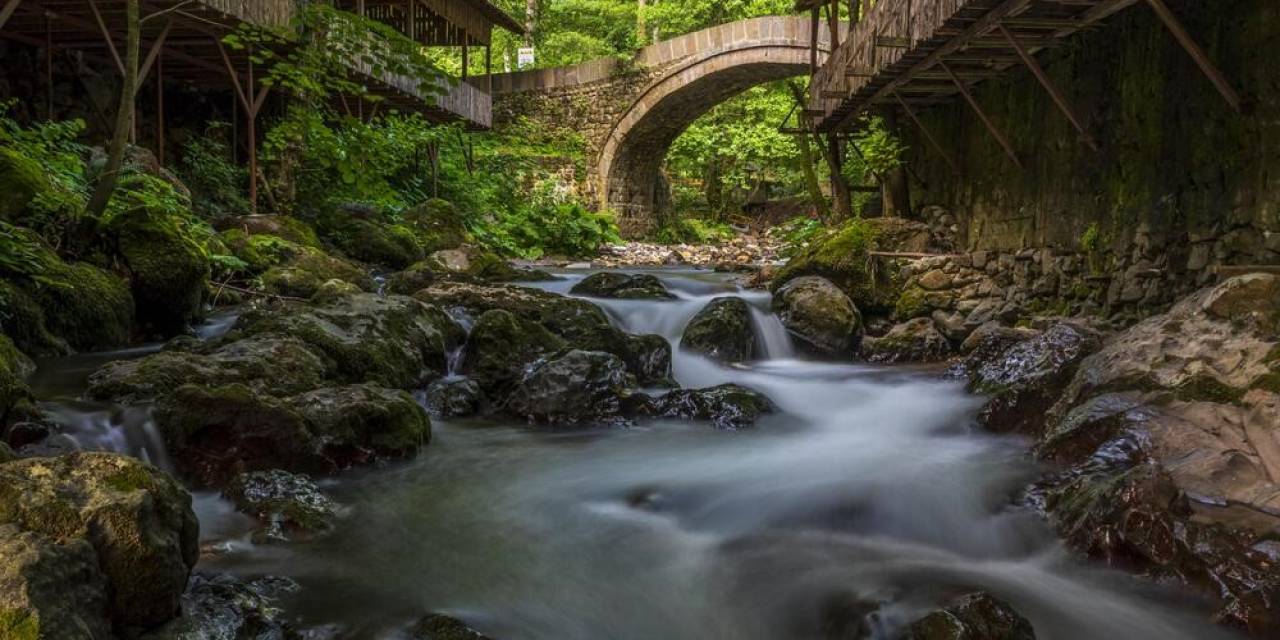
[[393, 246], [21, 180], [297, 232], [90, 308], [133, 477], [1206, 388], [841, 257], [22, 319], [437, 225], [15, 396], [309, 270], [169, 271], [6, 454], [910, 304], [19, 624], [417, 277]]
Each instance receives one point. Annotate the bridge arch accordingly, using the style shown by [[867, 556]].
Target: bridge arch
[[631, 114]]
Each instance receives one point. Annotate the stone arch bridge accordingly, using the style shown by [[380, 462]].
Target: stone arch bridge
[[631, 112]]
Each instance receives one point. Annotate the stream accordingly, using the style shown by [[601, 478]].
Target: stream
[[870, 485]]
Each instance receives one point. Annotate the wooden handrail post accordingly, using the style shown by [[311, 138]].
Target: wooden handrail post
[[927, 134]]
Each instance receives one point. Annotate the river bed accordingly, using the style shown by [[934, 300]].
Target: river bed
[[869, 489]]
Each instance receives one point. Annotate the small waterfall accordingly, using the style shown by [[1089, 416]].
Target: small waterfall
[[771, 337], [95, 427]]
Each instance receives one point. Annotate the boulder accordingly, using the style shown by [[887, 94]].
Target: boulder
[[574, 388], [389, 245], [613, 284], [88, 519], [333, 290], [51, 588], [502, 346], [416, 277], [264, 363], [1025, 380], [259, 252], [395, 341], [360, 423], [841, 256], [21, 180], [6, 453], [722, 330], [302, 275], [473, 264], [16, 401], [579, 323], [818, 314], [285, 227], [728, 406], [222, 607], [168, 267], [283, 502], [977, 616], [437, 224], [912, 341], [454, 398]]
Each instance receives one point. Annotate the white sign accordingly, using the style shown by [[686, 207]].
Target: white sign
[[524, 57]]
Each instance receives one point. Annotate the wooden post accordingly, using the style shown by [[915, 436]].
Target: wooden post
[[488, 66], [995, 132], [833, 19], [927, 134], [251, 109], [815, 23], [7, 11], [160, 110], [466, 56], [1058, 98], [48, 62], [1189, 44]]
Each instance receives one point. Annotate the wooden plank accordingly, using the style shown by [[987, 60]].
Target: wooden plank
[[1057, 96], [982, 115], [1202, 59], [927, 134], [7, 11]]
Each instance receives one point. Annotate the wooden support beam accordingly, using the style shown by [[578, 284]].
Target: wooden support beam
[[1058, 98], [106, 35], [1202, 59], [815, 23], [7, 11], [48, 63], [160, 110], [927, 134], [982, 115], [153, 53]]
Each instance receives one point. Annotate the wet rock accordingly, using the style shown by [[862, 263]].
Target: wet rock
[[308, 269], [612, 284], [222, 607], [977, 616], [357, 424], [333, 290], [912, 341], [442, 627], [818, 314], [472, 264], [50, 588], [648, 357], [991, 339], [728, 406], [283, 502], [264, 363], [415, 278], [395, 341], [574, 388], [16, 401], [454, 398], [841, 256], [502, 346], [1025, 380], [722, 330], [94, 518], [577, 322]]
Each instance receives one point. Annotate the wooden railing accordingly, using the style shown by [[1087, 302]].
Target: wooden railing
[[266, 13], [889, 30]]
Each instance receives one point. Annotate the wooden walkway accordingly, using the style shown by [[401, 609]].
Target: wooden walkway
[[916, 53]]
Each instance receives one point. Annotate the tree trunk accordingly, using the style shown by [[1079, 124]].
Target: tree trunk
[[808, 160], [640, 28], [895, 192], [124, 118], [713, 185], [839, 187], [530, 21]]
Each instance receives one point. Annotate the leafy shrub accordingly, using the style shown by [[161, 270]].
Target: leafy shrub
[[54, 147], [692, 231], [217, 184]]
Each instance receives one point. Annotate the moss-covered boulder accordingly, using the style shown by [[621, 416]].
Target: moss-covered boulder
[[50, 588], [579, 323], [437, 225], [15, 397], [265, 363], [21, 180], [360, 423], [416, 277], [818, 315], [6, 453], [502, 345], [476, 264], [395, 341], [453, 397], [284, 503], [722, 331], [611, 284], [977, 616], [88, 307], [727, 406], [302, 275], [573, 388], [285, 227], [22, 320], [259, 251], [842, 256], [438, 626], [169, 269], [388, 245], [137, 522], [333, 290], [913, 341]]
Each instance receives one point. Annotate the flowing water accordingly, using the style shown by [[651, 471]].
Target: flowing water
[[869, 486]]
